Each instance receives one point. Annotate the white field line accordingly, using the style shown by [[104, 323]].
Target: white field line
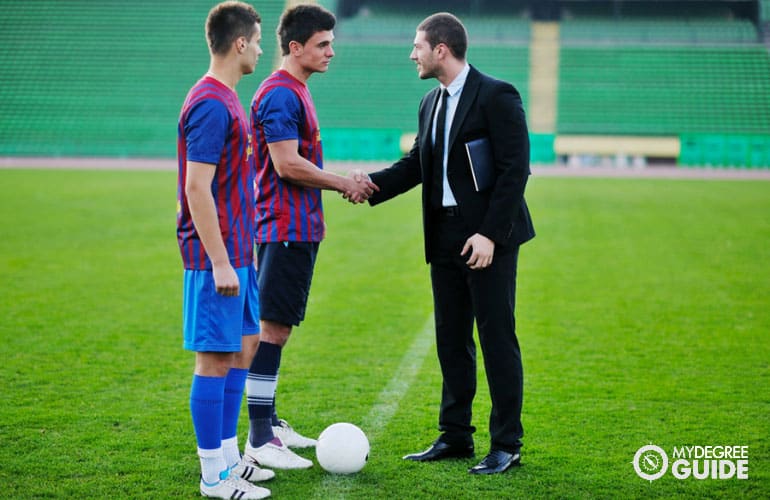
[[335, 486]]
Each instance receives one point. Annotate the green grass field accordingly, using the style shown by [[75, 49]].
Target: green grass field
[[643, 314]]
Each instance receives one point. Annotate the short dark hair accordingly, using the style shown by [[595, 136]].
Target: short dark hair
[[300, 23], [228, 21], [445, 28]]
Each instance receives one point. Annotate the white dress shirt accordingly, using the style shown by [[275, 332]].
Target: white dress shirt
[[454, 89]]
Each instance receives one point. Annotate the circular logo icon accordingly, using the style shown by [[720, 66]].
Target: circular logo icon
[[650, 462]]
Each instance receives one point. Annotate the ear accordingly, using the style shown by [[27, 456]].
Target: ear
[[295, 48], [241, 43]]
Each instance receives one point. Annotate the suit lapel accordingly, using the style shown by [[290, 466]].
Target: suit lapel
[[468, 95], [426, 123]]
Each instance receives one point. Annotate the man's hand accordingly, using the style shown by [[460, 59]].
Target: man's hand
[[483, 251], [359, 187], [226, 280]]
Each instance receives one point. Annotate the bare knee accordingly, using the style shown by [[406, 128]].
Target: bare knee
[[213, 364], [249, 344], [274, 333]]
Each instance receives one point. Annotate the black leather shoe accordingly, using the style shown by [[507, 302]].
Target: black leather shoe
[[496, 462], [440, 450]]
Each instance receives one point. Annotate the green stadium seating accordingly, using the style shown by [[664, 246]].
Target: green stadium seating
[[372, 89], [664, 90], [705, 79], [657, 30], [400, 28], [109, 78], [376, 85]]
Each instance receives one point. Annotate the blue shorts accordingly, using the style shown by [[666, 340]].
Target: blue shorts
[[285, 273], [213, 322]]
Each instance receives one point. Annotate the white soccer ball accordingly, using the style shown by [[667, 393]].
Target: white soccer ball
[[342, 448]]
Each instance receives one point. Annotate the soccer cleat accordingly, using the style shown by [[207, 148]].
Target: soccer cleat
[[233, 487], [275, 455], [290, 437], [250, 471]]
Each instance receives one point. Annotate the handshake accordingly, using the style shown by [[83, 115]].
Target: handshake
[[358, 187]]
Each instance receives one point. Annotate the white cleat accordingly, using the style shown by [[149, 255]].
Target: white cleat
[[290, 437], [250, 471], [233, 487], [275, 455]]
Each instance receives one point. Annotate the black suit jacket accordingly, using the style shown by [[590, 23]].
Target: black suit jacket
[[487, 108]]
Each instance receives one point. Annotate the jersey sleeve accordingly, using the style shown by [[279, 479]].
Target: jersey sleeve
[[206, 130], [279, 113]]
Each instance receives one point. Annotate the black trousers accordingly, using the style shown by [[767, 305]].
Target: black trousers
[[488, 297]]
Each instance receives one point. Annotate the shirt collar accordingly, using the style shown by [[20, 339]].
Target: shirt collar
[[457, 84]]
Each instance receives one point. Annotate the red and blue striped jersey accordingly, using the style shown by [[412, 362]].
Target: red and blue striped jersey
[[282, 109], [213, 128]]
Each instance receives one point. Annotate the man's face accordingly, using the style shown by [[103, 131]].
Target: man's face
[[317, 53], [424, 57], [252, 51]]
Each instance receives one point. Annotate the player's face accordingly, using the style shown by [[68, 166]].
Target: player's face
[[252, 51], [317, 53], [424, 57]]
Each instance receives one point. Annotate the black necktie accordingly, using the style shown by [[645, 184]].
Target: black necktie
[[437, 188]]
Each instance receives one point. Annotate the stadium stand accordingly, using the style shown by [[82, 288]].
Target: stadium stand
[[104, 78], [108, 78], [664, 90], [367, 102], [656, 31], [704, 82]]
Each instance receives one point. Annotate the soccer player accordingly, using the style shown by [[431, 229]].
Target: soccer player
[[289, 222], [215, 222]]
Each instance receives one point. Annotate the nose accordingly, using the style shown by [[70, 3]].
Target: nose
[[413, 55]]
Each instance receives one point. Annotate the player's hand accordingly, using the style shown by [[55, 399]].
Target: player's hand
[[226, 280], [483, 250], [359, 187], [358, 175]]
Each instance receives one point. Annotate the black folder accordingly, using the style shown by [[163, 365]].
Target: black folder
[[482, 163]]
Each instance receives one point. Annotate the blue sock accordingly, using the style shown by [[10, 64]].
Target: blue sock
[[207, 396], [260, 390], [234, 384]]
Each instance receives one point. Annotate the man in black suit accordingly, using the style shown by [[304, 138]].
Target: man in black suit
[[472, 237]]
